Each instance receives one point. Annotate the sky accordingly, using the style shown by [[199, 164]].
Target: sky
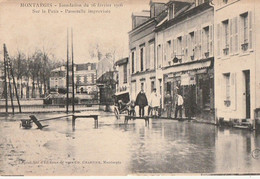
[[22, 30]]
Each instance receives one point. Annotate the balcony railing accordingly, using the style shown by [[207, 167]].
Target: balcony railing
[[244, 46], [206, 54], [227, 103], [226, 50]]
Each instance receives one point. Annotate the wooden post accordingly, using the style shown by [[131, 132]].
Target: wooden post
[[5, 75], [17, 97], [72, 58], [10, 88], [67, 81]]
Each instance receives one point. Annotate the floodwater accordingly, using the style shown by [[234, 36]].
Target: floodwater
[[113, 148]]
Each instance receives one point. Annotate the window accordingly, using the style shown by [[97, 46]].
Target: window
[[227, 86], [225, 1], [133, 61], [226, 37], [125, 72], [179, 45], [93, 78], [246, 31], [78, 79], [151, 55], [159, 54], [142, 59], [168, 52], [206, 45], [85, 79], [191, 45], [152, 86]]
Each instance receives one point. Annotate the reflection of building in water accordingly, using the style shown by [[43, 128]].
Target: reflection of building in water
[[234, 151]]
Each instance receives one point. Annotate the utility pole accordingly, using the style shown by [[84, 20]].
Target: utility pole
[[16, 93], [72, 58], [67, 81], [10, 88], [5, 75]]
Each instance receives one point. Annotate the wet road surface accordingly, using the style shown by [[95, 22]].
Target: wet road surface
[[165, 146]]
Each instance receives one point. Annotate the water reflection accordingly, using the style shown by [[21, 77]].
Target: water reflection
[[165, 146]]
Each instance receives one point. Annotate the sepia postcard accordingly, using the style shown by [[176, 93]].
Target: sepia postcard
[[129, 87]]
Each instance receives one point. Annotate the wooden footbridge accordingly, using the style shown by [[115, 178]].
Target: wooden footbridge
[[26, 123]]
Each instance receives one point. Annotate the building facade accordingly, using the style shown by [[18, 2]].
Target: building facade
[[85, 76], [142, 48], [185, 56], [237, 59], [122, 76]]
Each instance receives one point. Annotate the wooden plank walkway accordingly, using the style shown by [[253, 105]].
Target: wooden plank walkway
[[74, 117]]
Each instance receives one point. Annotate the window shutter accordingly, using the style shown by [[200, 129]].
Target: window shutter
[[199, 43], [195, 45], [174, 47], [144, 58], [203, 42], [233, 91], [218, 40], [189, 46], [250, 35], [185, 47], [231, 36], [241, 30], [235, 34], [211, 40]]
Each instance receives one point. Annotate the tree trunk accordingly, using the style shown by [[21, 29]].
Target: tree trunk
[[21, 87]]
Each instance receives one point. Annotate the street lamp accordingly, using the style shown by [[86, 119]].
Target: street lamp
[[176, 60]]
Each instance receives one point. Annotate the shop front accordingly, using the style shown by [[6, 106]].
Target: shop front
[[196, 85]]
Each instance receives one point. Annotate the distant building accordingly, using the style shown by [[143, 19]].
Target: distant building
[[104, 65], [58, 78], [107, 86], [122, 76], [85, 76]]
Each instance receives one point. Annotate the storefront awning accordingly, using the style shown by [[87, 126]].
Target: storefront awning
[[195, 65], [121, 92]]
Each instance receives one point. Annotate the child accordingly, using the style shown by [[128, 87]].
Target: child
[[132, 108]]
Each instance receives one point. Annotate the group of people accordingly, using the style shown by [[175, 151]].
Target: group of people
[[154, 104]]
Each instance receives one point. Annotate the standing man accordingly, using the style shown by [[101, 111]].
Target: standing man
[[178, 105], [141, 101], [154, 103], [168, 104]]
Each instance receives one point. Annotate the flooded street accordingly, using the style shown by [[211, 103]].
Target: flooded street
[[165, 146]]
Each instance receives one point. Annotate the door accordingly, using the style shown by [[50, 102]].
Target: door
[[247, 92]]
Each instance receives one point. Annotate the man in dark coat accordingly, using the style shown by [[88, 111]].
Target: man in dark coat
[[141, 101]]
